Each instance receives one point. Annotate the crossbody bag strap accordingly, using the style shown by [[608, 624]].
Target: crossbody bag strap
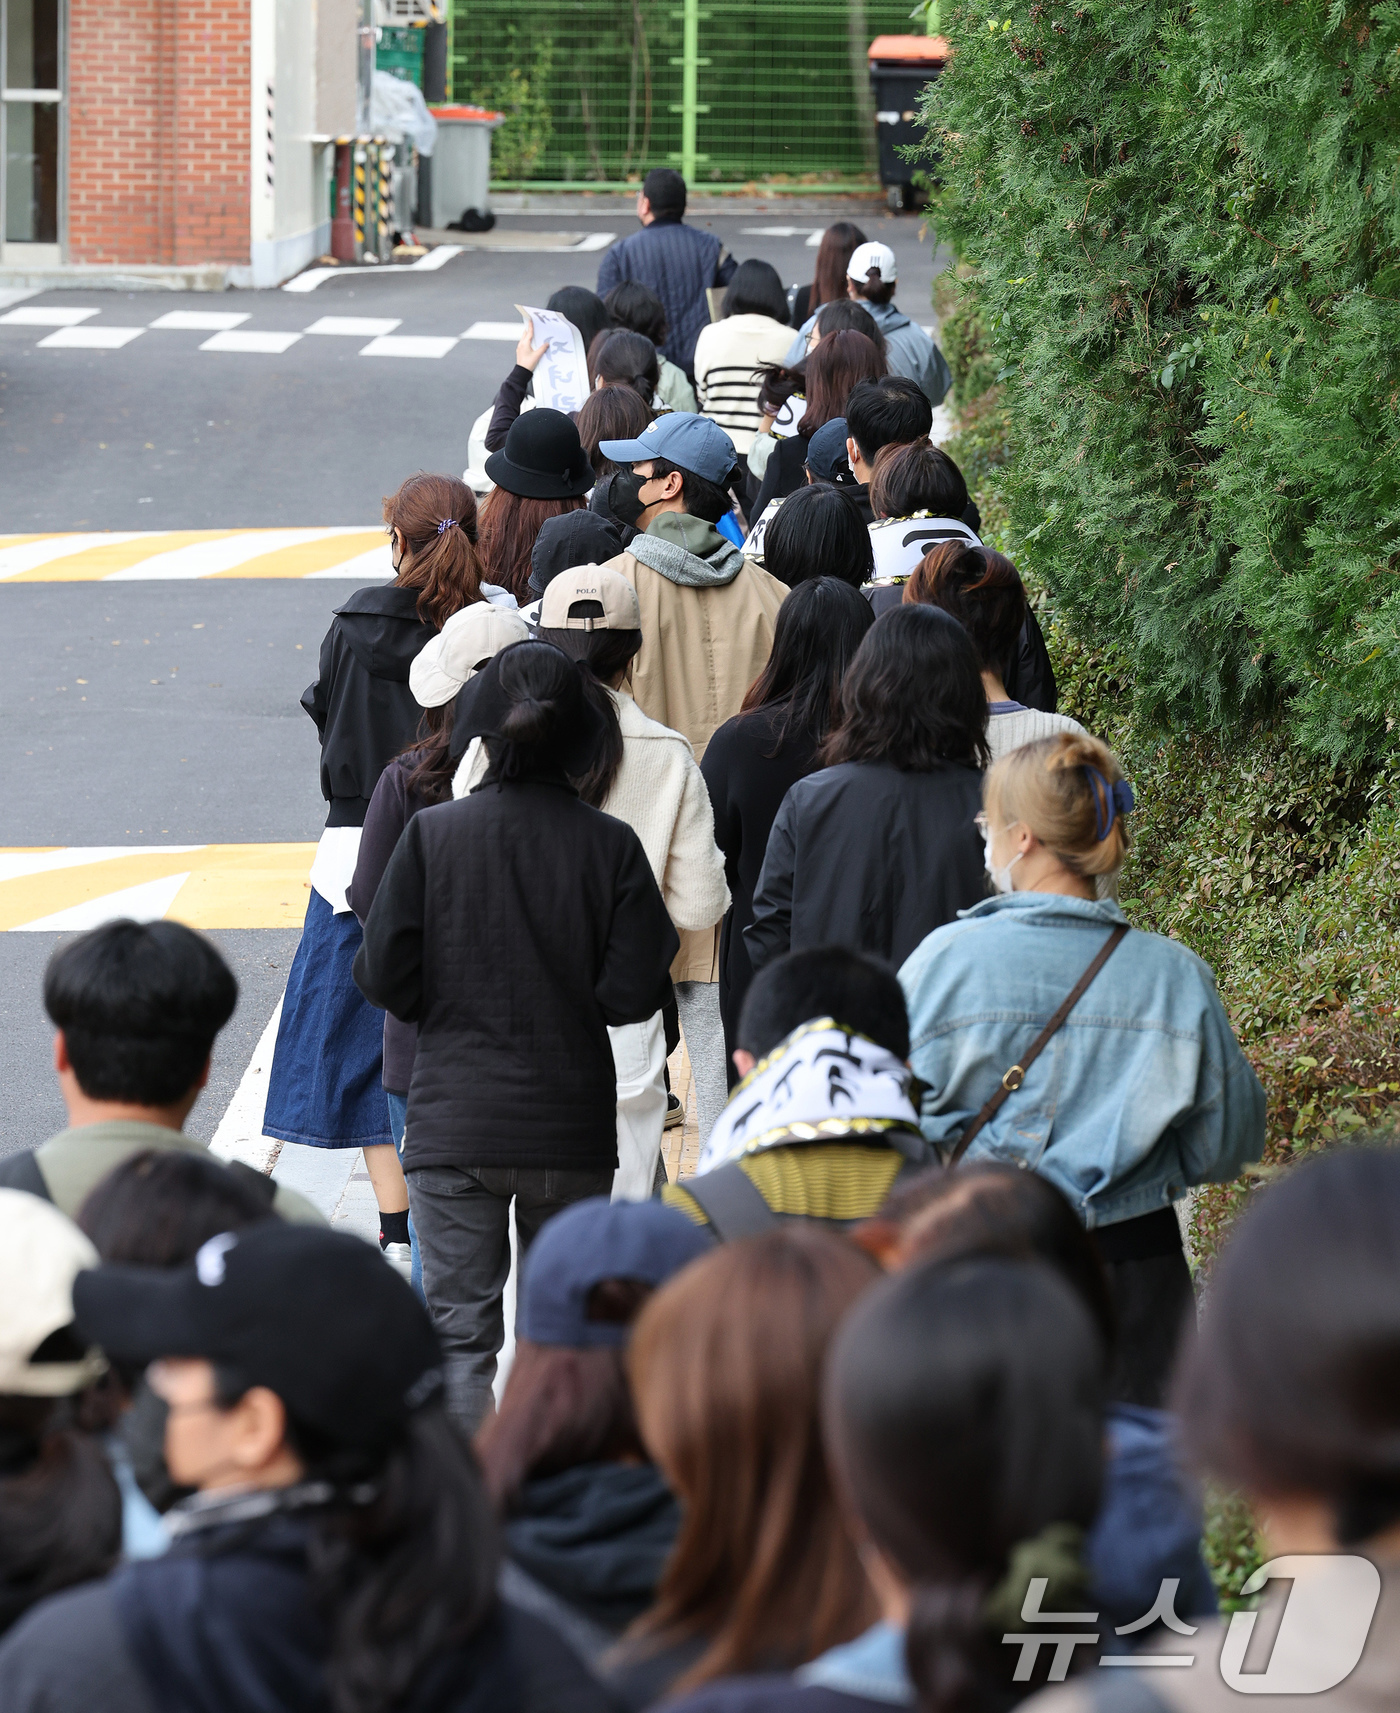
[[1016, 1075], [731, 1201]]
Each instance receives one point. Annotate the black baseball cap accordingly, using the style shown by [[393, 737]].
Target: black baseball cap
[[316, 1316]]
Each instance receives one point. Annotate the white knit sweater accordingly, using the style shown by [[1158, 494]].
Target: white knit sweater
[[661, 794], [1006, 732]]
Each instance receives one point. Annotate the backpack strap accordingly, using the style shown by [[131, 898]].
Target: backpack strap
[[22, 1172], [1016, 1075], [731, 1201]]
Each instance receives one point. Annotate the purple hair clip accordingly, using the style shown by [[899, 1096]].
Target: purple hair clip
[[446, 523]]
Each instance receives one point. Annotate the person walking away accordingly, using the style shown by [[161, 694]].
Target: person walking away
[[998, 1364], [879, 847], [633, 305], [823, 1122], [1145, 1091], [918, 496], [730, 353], [338, 1554], [870, 279], [725, 1363], [588, 1521], [415, 780], [707, 628], [60, 1510], [839, 363], [1288, 1397], [1148, 1526], [618, 358], [324, 1088], [891, 411], [610, 412], [577, 538], [817, 532], [828, 285], [516, 392], [513, 926], [137, 1007], [782, 391], [679, 263], [647, 776], [983, 591], [541, 472], [752, 760]]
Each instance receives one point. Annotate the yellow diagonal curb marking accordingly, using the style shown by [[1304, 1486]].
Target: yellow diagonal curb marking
[[229, 886], [132, 556]]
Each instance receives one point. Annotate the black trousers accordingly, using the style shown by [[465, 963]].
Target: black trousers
[[1149, 1284]]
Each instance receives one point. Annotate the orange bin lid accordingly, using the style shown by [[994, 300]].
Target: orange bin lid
[[910, 48], [465, 113]]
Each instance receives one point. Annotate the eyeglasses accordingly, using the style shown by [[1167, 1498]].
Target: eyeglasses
[[982, 824]]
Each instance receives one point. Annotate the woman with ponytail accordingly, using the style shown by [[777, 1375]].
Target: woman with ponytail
[[514, 927], [618, 358], [1141, 1090], [962, 1418], [324, 1088]]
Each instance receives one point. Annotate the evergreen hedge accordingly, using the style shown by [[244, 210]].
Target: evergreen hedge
[[1182, 226]]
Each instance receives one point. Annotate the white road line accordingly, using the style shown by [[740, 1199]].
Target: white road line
[[205, 558], [408, 345], [436, 258], [813, 236], [147, 902], [262, 344], [19, 865], [356, 326], [198, 321], [377, 562], [594, 241], [32, 554], [91, 338], [429, 264], [507, 332], [239, 1135], [17, 294], [47, 317]]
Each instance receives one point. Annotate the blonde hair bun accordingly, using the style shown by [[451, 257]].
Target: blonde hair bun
[[1050, 786]]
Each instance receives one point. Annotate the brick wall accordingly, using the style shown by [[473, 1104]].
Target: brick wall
[[158, 151]]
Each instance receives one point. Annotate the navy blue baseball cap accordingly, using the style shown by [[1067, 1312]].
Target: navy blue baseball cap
[[826, 453], [591, 1241], [694, 443]]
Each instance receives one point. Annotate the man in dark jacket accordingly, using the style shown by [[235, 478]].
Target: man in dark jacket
[[678, 262]]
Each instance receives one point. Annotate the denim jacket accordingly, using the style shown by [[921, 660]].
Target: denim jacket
[[1142, 1092]]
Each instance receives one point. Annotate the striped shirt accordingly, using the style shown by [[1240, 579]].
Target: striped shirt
[[729, 359]]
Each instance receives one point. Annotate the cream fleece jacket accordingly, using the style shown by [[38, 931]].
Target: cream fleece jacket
[[661, 794]]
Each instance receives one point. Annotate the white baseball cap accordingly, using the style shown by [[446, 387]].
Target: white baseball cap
[[471, 636], [41, 1253], [867, 256]]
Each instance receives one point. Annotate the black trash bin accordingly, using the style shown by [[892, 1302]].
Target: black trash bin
[[901, 68]]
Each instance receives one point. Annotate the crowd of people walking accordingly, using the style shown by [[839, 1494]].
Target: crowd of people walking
[[715, 721]]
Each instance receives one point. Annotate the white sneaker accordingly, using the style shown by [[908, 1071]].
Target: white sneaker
[[400, 1258]]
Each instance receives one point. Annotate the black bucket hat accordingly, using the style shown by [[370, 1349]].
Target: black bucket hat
[[542, 459]]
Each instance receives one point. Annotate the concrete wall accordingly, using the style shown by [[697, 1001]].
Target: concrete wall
[[290, 202], [159, 131]]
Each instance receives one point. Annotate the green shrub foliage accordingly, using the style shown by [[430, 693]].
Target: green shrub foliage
[[1182, 229]]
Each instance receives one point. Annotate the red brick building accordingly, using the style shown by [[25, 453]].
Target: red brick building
[[172, 133]]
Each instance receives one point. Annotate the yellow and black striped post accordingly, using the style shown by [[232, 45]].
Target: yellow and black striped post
[[359, 209]]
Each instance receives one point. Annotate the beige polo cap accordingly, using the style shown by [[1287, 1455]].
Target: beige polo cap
[[609, 588], [41, 1253], [469, 637]]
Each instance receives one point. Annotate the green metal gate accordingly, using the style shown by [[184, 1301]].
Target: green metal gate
[[594, 90]]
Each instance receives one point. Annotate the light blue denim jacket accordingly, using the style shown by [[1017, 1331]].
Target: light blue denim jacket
[[1143, 1091]]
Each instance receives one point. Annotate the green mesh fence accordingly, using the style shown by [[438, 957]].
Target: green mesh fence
[[592, 88]]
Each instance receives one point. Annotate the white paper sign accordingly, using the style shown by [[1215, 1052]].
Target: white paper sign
[[561, 379], [901, 542], [753, 547]]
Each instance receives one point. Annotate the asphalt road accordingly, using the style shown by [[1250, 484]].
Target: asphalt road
[[187, 728]]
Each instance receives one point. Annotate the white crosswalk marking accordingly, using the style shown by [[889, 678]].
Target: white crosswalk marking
[[507, 332], [46, 317], [263, 344], [91, 338], [356, 326], [408, 345], [198, 321]]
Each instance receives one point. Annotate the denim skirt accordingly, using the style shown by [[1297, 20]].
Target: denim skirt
[[325, 1089]]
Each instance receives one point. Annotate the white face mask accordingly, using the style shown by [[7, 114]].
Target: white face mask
[[1001, 877]]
